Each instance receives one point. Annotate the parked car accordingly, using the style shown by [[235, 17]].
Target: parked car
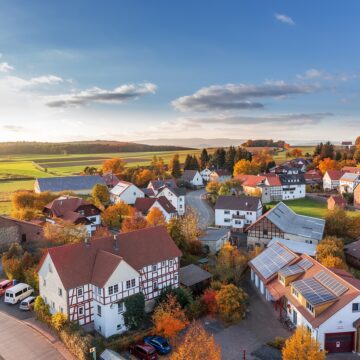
[[161, 345], [17, 293], [143, 351], [28, 303], [4, 285]]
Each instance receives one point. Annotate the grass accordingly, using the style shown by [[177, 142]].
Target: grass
[[5, 208]]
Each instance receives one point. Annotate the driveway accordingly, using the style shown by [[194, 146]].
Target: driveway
[[205, 212], [18, 341]]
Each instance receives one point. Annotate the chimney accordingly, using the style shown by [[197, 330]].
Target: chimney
[[87, 241], [116, 243]]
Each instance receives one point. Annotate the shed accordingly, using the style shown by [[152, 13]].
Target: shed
[[194, 277]]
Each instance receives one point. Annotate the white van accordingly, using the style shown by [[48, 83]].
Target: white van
[[18, 293]]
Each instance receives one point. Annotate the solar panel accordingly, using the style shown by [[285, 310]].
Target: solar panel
[[331, 283], [313, 291], [291, 270], [305, 264], [271, 260]]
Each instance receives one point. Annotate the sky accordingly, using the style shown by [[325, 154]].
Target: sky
[[134, 70]]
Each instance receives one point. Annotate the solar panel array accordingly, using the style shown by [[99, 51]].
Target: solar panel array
[[306, 264], [331, 283], [271, 260], [313, 291], [291, 270]]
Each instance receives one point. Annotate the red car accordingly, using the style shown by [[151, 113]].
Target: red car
[[143, 351], [4, 285]]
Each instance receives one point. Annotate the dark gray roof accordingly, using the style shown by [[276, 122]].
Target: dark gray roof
[[214, 234], [74, 183], [176, 190], [292, 179], [290, 222], [245, 203], [192, 274], [188, 175]]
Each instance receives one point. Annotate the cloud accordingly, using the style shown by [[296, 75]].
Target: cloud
[[315, 74], [5, 67], [45, 79], [284, 19], [120, 94], [237, 96], [13, 128]]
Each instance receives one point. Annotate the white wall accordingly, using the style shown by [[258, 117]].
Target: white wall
[[129, 196], [223, 219], [297, 191], [177, 201], [197, 180]]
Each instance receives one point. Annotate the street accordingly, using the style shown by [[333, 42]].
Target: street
[[205, 212]]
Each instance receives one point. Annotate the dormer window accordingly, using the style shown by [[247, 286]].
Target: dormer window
[[309, 307], [295, 292]]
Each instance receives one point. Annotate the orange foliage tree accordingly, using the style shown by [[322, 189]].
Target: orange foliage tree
[[327, 164], [134, 221], [197, 345], [143, 176], [114, 215], [246, 167], [209, 299], [296, 152], [115, 165], [155, 217], [331, 261], [169, 318]]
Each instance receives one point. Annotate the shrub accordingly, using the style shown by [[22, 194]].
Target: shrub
[[278, 343], [209, 300], [58, 321], [42, 311], [196, 309], [134, 314], [76, 341]]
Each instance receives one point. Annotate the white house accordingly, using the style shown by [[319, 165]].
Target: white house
[[237, 212], [144, 206], [155, 185], [176, 197], [302, 290], [220, 176], [126, 192], [293, 186], [192, 177], [205, 174], [90, 281], [348, 182], [331, 179]]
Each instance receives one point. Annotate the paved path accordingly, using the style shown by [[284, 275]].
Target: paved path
[[18, 341], [205, 212]]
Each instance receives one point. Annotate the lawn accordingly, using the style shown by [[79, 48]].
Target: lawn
[[5, 207]]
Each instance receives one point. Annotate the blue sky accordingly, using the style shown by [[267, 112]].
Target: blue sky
[[130, 70]]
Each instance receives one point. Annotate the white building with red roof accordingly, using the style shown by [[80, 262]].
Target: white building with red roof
[[126, 192], [145, 205], [331, 179], [176, 197], [90, 281], [307, 293]]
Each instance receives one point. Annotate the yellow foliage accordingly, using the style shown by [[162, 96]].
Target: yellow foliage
[[155, 217], [58, 320]]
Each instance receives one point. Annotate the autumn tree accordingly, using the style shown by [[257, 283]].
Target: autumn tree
[[190, 225], [174, 228], [143, 177], [337, 222], [155, 217], [114, 215], [327, 164], [330, 246], [302, 346], [64, 233], [169, 318], [357, 142], [175, 166], [100, 194], [134, 221], [158, 166], [231, 302], [209, 299], [212, 189], [224, 190], [197, 345], [246, 167], [334, 262], [296, 153], [115, 165]]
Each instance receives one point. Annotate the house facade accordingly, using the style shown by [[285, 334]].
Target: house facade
[[357, 196], [90, 281], [303, 291], [221, 175], [176, 197], [336, 201], [282, 222], [126, 192], [205, 174], [348, 182], [192, 177], [237, 212], [331, 180], [145, 205]]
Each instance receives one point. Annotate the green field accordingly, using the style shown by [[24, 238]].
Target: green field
[[281, 156]]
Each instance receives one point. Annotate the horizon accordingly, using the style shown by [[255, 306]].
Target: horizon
[[138, 71]]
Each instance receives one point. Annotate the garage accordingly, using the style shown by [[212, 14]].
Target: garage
[[339, 342]]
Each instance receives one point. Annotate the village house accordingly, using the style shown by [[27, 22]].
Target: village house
[[357, 196], [192, 177], [205, 174], [296, 246], [176, 197], [144, 206], [293, 186], [307, 293], [89, 281], [331, 180], [346, 145], [18, 231], [126, 192], [73, 210], [313, 178], [282, 222], [80, 185], [336, 201], [220, 176], [110, 179], [351, 169], [215, 238], [156, 185], [348, 182], [237, 212]]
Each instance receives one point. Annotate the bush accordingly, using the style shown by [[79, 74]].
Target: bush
[[134, 314], [122, 342], [278, 343], [42, 310], [183, 296], [196, 309], [58, 321]]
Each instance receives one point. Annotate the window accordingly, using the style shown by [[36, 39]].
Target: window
[[50, 268], [99, 291], [171, 262], [155, 286], [116, 288], [61, 310], [226, 212], [355, 307], [99, 310], [120, 307], [265, 232], [81, 311], [282, 279], [227, 220], [52, 305], [59, 291], [133, 283], [79, 292], [309, 307], [154, 268], [128, 284], [44, 282], [176, 278], [294, 292], [118, 327], [163, 263], [308, 328], [110, 290]]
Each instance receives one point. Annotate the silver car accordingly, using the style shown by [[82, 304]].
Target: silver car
[[28, 303]]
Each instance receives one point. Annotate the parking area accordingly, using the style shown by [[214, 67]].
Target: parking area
[[14, 310]]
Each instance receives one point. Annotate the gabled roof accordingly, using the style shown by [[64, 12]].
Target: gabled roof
[[272, 179], [110, 179], [143, 205], [250, 180], [335, 174], [338, 200], [214, 234], [188, 175], [297, 247], [350, 177], [33, 231], [79, 264], [157, 184], [292, 179], [222, 172], [351, 169], [353, 249], [121, 187], [192, 274], [290, 222], [244, 203], [175, 190], [74, 183]]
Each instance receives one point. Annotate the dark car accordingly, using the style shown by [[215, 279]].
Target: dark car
[[161, 345], [143, 351]]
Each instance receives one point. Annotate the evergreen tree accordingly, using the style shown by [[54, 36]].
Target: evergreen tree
[[204, 159], [327, 150], [175, 166], [188, 162], [218, 158], [195, 163], [242, 154], [230, 159]]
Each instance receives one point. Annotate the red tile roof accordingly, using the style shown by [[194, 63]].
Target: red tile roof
[[335, 174], [250, 180], [338, 200], [351, 169], [79, 264], [143, 205]]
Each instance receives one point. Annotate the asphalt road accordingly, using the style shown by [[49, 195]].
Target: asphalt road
[[205, 212]]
